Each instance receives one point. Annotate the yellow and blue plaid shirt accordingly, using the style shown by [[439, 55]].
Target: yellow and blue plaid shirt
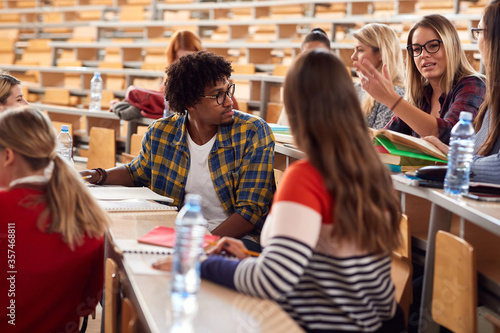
[[241, 164]]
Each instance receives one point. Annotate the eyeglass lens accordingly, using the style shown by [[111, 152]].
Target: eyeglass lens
[[221, 96], [431, 46], [475, 32]]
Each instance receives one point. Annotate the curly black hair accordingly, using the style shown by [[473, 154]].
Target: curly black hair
[[188, 77]]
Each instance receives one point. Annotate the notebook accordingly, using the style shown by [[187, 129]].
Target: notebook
[[124, 192], [165, 236], [133, 205]]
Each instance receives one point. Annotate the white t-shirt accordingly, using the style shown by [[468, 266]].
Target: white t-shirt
[[200, 182]]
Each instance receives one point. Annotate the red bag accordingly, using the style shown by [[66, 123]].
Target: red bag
[[150, 102]]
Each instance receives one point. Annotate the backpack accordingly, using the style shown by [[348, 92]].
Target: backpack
[[151, 103]]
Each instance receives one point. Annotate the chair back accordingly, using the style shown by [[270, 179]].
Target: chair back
[[454, 296], [129, 317], [111, 296], [102, 148], [402, 270]]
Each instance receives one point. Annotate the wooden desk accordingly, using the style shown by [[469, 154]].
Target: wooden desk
[[131, 127], [219, 309], [442, 209]]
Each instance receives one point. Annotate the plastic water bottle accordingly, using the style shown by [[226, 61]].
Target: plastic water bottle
[[456, 182], [95, 92], [190, 228], [65, 144]]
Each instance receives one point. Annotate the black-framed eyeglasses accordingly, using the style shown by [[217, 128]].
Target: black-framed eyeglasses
[[431, 46], [475, 32], [221, 96]]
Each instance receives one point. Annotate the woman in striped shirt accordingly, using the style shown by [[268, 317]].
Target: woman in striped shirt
[[334, 219]]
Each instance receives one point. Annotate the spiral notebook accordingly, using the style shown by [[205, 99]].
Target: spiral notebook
[[124, 193], [134, 205]]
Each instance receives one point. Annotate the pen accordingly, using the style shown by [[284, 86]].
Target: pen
[[87, 177], [251, 253]]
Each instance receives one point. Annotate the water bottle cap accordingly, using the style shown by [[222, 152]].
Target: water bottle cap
[[97, 73], [466, 115], [64, 128], [193, 198]]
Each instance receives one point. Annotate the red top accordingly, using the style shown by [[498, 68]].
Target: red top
[[45, 286]]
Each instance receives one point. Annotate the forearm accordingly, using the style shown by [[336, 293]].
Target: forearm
[[235, 226], [421, 122], [115, 176], [486, 169], [274, 273]]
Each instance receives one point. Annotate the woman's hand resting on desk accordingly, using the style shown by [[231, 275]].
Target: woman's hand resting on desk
[[438, 143], [228, 245]]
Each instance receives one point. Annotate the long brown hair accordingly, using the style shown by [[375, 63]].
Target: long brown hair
[[328, 125], [185, 40], [491, 37], [74, 212], [457, 65]]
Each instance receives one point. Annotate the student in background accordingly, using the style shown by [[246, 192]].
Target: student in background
[[486, 163], [11, 94], [206, 148], [317, 38], [379, 45], [181, 43], [334, 220], [52, 230], [439, 81]]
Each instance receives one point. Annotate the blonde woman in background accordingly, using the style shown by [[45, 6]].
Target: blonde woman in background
[[51, 230], [11, 94], [378, 44]]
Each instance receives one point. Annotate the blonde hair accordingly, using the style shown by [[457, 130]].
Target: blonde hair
[[185, 40], [457, 65], [381, 38], [73, 211], [6, 83], [325, 115]]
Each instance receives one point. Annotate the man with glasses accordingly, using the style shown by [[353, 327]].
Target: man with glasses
[[207, 148]]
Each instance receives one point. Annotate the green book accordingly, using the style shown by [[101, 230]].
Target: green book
[[402, 150]]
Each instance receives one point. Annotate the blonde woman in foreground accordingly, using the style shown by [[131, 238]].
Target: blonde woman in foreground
[[51, 230]]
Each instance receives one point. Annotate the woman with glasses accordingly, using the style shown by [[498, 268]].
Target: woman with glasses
[[378, 44], [439, 81], [334, 219], [485, 165]]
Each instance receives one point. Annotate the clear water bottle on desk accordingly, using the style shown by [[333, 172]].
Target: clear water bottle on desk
[[95, 92], [190, 229], [65, 144], [456, 182]]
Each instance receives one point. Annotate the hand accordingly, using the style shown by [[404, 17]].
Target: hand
[[230, 245], [113, 102], [375, 84], [164, 264], [438, 143]]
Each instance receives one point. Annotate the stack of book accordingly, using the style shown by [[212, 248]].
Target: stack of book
[[401, 152], [282, 133]]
